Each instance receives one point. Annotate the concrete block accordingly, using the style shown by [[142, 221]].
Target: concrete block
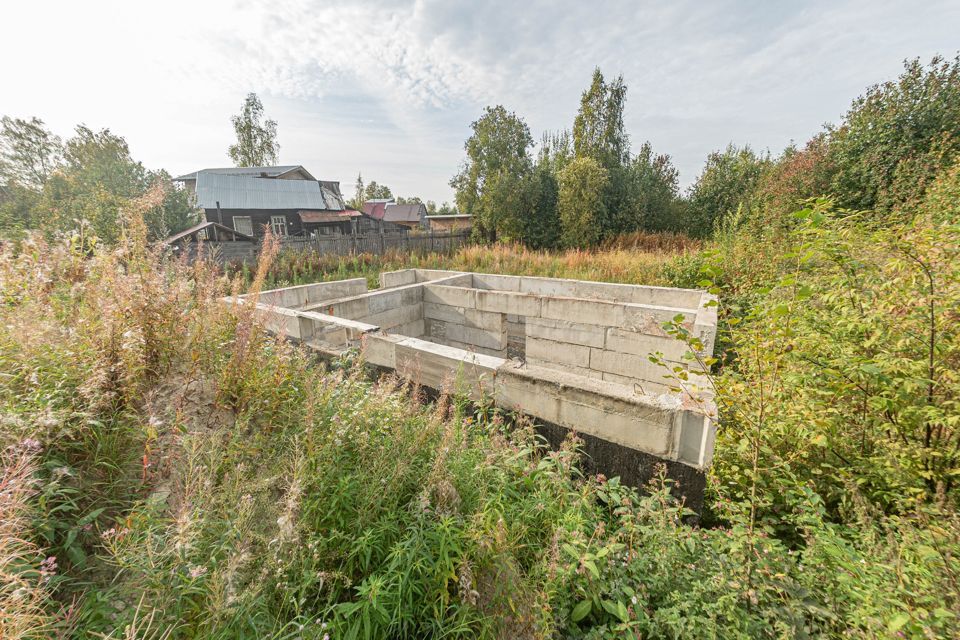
[[349, 308], [395, 317], [650, 319], [442, 367], [595, 312], [563, 331], [496, 282], [467, 335], [302, 295], [413, 329], [568, 368], [459, 278], [588, 406], [644, 344], [331, 336], [461, 315], [621, 428], [384, 300], [472, 348], [381, 349], [398, 278], [516, 390], [519, 304], [629, 365], [278, 320], [639, 387], [564, 353], [546, 286], [452, 296], [666, 297], [694, 438]]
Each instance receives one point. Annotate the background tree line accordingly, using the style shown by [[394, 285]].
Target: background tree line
[[583, 186], [86, 181], [586, 185]]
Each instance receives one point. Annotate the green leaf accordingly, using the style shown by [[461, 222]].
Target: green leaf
[[610, 607], [589, 564], [897, 622], [90, 517], [581, 610], [872, 369]]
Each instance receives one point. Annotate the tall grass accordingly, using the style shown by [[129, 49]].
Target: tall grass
[[639, 258], [182, 474]]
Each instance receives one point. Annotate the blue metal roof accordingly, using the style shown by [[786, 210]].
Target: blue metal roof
[[240, 192]]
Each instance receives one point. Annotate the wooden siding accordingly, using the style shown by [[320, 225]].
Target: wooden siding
[[258, 218]]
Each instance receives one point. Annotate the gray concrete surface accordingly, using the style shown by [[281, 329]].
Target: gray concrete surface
[[571, 353]]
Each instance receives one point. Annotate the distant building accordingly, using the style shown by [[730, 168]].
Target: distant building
[[286, 199], [455, 222], [375, 208], [411, 216]]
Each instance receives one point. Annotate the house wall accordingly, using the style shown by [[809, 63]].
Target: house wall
[[448, 225], [258, 217], [328, 228]]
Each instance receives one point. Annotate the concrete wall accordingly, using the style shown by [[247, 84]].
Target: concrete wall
[[313, 294], [586, 368], [593, 338], [397, 309]]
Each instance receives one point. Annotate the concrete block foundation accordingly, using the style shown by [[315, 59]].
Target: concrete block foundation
[[574, 355]]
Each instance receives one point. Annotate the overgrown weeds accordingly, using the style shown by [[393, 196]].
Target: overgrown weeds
[[183, 474]]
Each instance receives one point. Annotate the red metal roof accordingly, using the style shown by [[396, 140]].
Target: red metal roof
[[375, 209]]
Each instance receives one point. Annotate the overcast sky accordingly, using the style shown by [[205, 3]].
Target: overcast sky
[[390, 88]]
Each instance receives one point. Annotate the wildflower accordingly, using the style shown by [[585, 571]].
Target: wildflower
[[196, 572], [48, 568], [30, 444]]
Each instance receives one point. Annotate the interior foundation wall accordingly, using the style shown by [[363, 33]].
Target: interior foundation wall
[[584, 361]]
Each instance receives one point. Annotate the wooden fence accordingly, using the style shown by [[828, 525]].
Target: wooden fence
[[380, 243], [339, 245]]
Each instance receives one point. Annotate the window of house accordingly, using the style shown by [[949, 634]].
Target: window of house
[[278, 225], [242, 224]]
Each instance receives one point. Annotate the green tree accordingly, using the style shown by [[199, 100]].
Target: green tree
[[256, 142], [29, 152], [357, 202], [493, 184], [598, 130], [97, 182], [898, 137], [655, 183], [580, 201], [728, 181], [599, 133], [101, 159], [543, 223], [376, 191]]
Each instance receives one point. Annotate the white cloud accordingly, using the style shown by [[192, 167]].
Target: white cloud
[[391, 87]]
